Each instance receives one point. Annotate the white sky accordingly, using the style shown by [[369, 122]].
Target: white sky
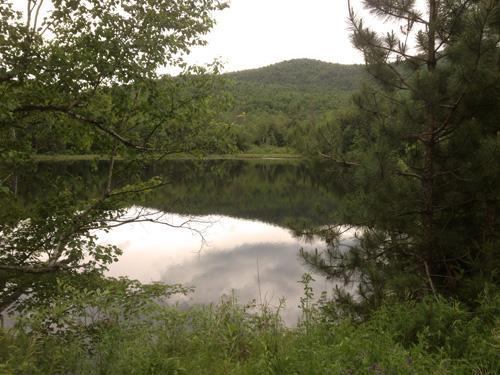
[[255, 33]]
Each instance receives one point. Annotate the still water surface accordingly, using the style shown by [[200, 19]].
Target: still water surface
[[217, 255], [240, 237]]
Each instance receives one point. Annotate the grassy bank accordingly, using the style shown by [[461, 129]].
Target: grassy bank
[[433, 336]]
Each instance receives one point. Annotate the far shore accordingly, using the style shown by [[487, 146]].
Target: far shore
[[152, 157]]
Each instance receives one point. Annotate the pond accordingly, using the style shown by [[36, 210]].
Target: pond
[[227, 225]]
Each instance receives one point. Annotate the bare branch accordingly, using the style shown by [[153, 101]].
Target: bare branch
[[340, 161], [408, 174]]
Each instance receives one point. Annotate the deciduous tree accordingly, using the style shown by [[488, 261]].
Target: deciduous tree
[[88, 71]]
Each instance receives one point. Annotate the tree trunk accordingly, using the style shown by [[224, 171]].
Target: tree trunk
[[429, 147]]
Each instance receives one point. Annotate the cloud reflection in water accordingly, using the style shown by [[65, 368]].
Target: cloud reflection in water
[[227, 262]]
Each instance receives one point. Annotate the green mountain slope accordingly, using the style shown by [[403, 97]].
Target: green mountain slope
[[305, 74], [277, 104]]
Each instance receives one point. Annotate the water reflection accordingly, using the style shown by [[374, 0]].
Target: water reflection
[[267, 196], [217, 255], [278, 192]]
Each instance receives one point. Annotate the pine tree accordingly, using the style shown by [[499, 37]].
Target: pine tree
[[426, 153]]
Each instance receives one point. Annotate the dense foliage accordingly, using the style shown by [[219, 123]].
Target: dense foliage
[[126, 333], [412, 162], [85, 75], [423, 151], [279, 104], [274, 106]]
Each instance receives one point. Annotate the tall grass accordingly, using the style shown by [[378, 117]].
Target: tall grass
[[433, 336]]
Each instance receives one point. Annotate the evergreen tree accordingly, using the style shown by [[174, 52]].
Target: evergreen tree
[[425, 153]]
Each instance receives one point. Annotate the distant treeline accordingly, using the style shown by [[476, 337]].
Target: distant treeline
[[280, 105]]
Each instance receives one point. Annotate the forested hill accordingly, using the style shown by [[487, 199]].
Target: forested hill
[[280, 104], [305, 74], [274, 109]]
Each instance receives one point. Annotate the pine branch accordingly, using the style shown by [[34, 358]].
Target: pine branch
[[444, 129], [399, 9], [364, 39], [456, 18]]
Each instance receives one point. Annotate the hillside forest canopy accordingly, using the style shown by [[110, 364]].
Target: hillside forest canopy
[[404, 151]]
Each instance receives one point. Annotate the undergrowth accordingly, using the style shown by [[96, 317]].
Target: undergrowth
[[121, 331]]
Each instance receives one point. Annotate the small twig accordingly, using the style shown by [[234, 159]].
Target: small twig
[[429, 278], [339, 161], [258, 282]]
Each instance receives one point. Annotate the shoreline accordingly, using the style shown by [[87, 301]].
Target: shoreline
[[240, 156]]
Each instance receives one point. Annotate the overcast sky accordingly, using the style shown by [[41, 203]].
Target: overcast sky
[[255, 33]]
